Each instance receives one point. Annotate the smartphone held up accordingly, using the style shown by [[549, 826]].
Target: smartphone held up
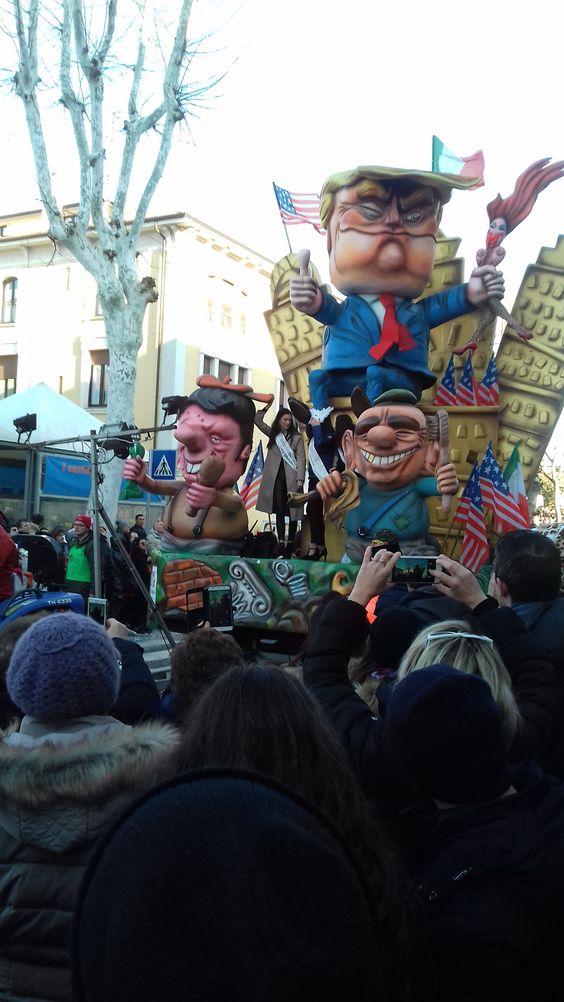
[[414, 570], [211, 605], [98, 610]]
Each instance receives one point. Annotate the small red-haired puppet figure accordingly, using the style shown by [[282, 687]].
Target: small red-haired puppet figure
[[504, 215]]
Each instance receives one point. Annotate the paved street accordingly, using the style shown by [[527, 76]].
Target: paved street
[[156, 654]]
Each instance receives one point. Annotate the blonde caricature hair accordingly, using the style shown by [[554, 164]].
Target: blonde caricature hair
[[471, 654]]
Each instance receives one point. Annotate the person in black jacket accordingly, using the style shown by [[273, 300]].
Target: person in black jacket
[[138, 698], [327, 656], [485, 844], [138, 607], [526, 564], [139, 526], [340, 628]]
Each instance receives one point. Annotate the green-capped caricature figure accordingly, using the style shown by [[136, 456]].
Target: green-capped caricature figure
[[398, 467]]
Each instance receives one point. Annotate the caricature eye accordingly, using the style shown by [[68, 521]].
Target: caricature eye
[[413, 217], [371, 210], [216, 439]]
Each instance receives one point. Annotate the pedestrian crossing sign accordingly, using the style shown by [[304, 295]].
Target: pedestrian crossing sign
[[163, 463]]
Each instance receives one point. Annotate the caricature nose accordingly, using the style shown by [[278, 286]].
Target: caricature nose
[[192, 438], [392, 216], [382, 437]]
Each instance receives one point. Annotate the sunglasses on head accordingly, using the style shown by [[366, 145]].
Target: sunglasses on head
[[455, 633]]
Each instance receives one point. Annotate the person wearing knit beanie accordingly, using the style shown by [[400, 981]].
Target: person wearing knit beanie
[[446, 730], [65, 776], [224, 885], [484, 844], [64, 666], [84, 520], [390, 635]]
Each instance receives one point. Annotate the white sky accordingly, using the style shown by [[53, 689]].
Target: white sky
[[312, 89]]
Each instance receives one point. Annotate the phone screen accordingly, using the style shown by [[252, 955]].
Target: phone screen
[[220, 607], [97, 609], [196, 608], [414, 570]]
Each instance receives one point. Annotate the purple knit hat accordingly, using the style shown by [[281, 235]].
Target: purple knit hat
[[64, 666]]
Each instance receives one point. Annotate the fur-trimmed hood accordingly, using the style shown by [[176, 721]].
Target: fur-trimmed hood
[[59, 788]]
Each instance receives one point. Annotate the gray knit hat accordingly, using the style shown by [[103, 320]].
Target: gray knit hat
[[64, 666]]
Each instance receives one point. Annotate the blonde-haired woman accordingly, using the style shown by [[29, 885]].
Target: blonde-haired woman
[[453, 642], [521, 687]]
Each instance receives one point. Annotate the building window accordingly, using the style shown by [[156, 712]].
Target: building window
[[9, 290], [8, 372], [98, 307], [226, 316], [282, 394], [220, 368], [99, 378]]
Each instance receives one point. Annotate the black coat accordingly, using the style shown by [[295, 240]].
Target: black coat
[[138, 697], [325, 672], [545, 622], [491, 877], [340, 626]]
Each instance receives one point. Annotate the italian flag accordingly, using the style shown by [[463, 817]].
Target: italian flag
[[447, 162], [513, 474]]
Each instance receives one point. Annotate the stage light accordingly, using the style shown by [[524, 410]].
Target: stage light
[[173, 406], [25, 425], [117, 438]]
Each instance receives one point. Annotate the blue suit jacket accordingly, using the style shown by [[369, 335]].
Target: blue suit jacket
[[352, 328]]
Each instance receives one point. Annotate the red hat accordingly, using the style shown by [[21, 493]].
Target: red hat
[[86, 520]]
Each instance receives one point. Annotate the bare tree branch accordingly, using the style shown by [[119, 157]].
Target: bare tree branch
[[25, 82], [156, 174], [76, 110], [137, 125], [92, 65]]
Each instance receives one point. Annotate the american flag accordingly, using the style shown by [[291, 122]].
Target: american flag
[[466, 389], [488, 390], [446, 392], [497, 496], [463, 505], [296, 208], [475, 549], [251, 485]]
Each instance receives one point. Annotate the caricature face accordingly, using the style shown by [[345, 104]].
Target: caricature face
[[497, 231], [202, 434], [381, 238], [389, 447]]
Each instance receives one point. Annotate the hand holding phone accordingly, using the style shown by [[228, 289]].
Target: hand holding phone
[[116, 629]]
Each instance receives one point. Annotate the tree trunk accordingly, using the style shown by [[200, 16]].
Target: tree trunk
[[124, 332]]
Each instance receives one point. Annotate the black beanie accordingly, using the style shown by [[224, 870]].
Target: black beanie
[[445, 730], [222, 885], [391, 634]]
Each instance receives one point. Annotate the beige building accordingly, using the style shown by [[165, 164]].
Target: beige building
[[213, 292]]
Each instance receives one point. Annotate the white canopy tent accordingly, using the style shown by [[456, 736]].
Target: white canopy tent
[[8, 436], [56, 417]]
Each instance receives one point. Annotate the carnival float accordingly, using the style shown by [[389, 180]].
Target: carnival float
[[409, 419]]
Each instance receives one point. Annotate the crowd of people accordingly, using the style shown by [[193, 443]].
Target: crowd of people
[[381, 819], [75, 548]]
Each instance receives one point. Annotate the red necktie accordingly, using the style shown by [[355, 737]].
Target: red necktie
[[393, 333]]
